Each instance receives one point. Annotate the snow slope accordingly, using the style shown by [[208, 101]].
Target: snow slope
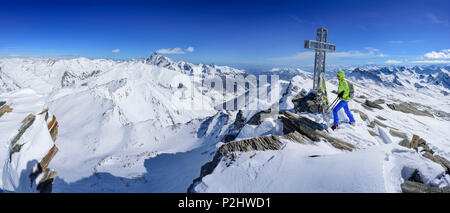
[[22, 148], [379, 164], [133, 126]]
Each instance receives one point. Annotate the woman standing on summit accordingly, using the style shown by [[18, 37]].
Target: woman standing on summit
[[344, 96]]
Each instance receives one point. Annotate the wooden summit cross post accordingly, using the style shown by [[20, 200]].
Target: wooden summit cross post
[[321, 46]]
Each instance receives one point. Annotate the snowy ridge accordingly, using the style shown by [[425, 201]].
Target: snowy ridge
[[28, 134], [380, 162], [135, 137], [191, 69], [415, 77]]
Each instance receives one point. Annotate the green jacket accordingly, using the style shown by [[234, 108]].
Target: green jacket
[[343, 86]]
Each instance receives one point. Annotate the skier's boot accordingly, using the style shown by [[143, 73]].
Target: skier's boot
[[352, 123], [334, 127]]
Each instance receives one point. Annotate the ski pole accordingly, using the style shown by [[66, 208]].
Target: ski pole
[[334, 103]]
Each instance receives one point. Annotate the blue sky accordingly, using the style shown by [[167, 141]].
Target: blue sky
[[236, 33]]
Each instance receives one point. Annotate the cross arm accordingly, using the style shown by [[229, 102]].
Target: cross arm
[[317, 45]]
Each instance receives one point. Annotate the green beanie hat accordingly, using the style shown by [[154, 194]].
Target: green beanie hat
[[341, 74]]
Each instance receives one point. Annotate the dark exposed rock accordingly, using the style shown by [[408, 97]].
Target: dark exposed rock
[[4, 109], [297, 137], [26, 123], [397, 133], [235, 128], [365, 106], [415, 141], [405, 143], [373, 133], [259, 117], [381, 118], [415, 177], [307, 103], [408, 108], [415, 184], [358, 101], [414, 187], [46, 183], [378, 101], [292, 122], [361, 114], [373, 104], [228, 138], [312, 130]]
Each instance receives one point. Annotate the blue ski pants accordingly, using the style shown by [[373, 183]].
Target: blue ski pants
[[347, 111]]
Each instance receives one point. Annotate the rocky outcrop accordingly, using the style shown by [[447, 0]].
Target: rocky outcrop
[[418, 142], [374, 104], [414, 184], [415, 187], [397, 133], [4, 109], [46, 182], [26, 123], [297, 137], [259, 117], [307, 102], [409, 108], [41, 172], [361, 114], [228, 150], [373, 133], [70, 79], [379, 123], [235, 128], [312, 130]]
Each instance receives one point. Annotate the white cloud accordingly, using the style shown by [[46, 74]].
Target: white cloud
[[170, 51], [431, 62], [393, 61], [444, 54], [175, 50], [189, 49], [115, 50]]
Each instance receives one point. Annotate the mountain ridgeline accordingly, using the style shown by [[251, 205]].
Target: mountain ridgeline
[[139, 130]]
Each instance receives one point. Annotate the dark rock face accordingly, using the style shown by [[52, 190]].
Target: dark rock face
[[297, 137], [373, 104], [69, 78], [415, 184], [414, 187], [4, 109], [26, 123], [417, 142], [235, 128], [373, 133], [307, 103], [361, 114], [312, 130], [397, 133], [409, 108], [259, 117]]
